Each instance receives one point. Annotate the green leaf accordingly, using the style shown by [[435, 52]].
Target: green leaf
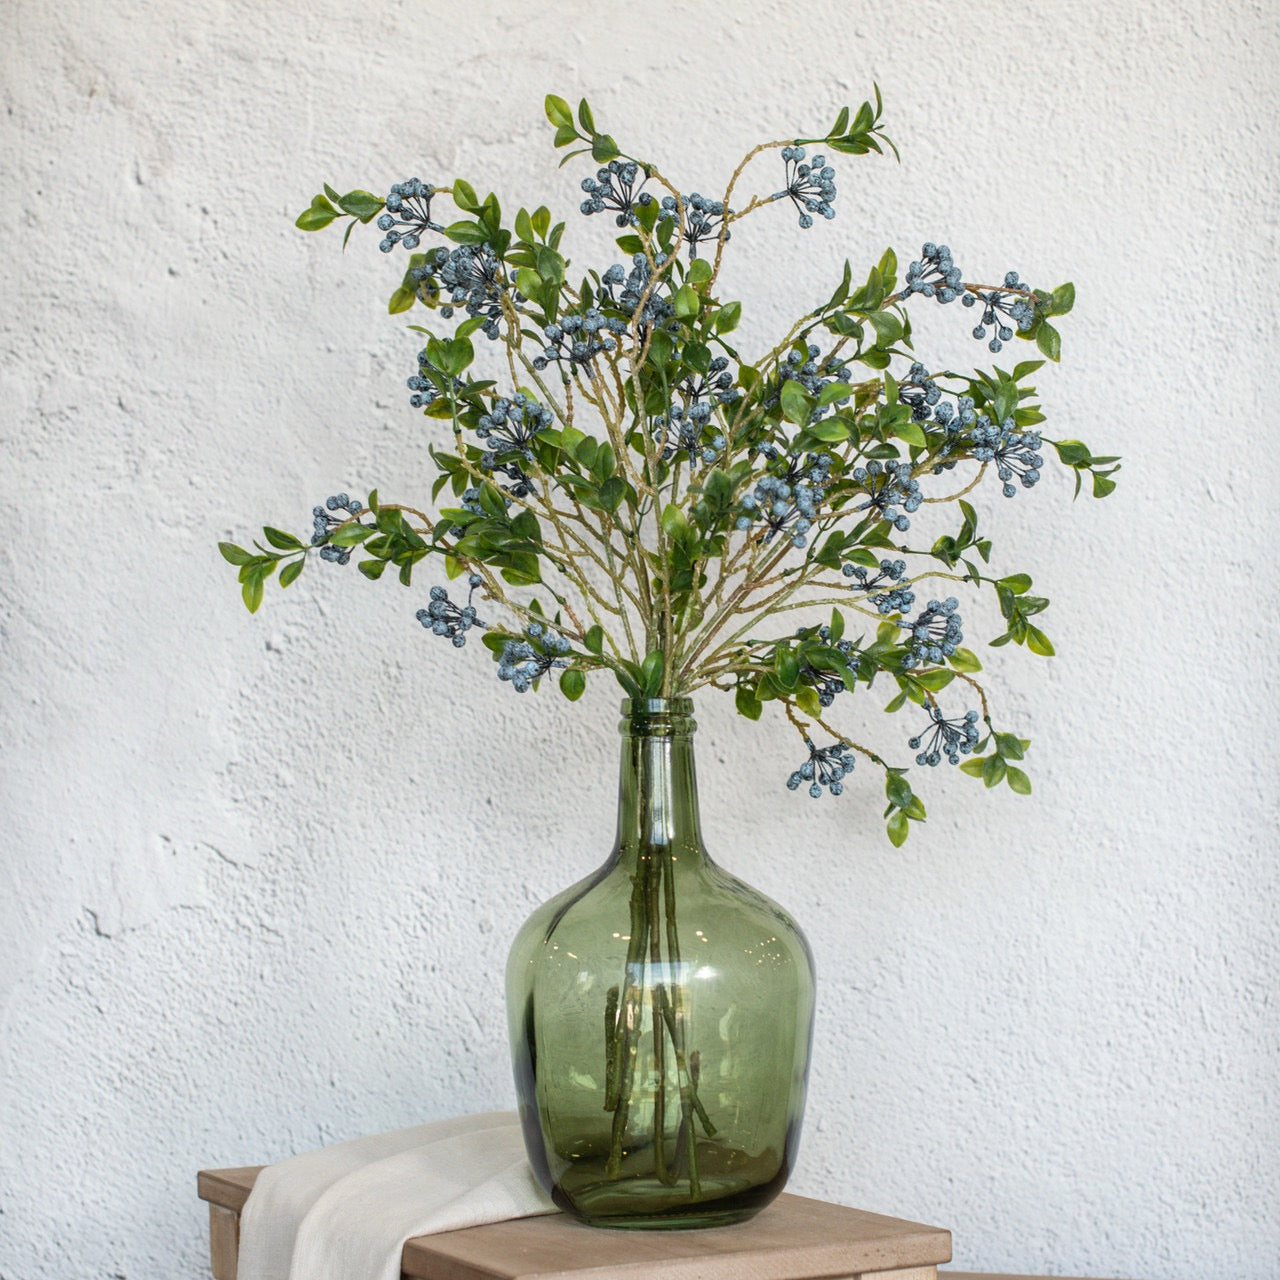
[[686, 302], [361, 204], [787, 666], [464, 196], [841, 124], [291, 570], [993, 770], [594, 640], [675, 523], [934, 680], [585, 118], [373, 568], [728, 316], [528, 281], [280, 540], [604, 149], [911, 433], [898, 789], [830, 430], [466, 232], [898, 828], [1009, 745], [1049, 340], [1038, 642], [1018, 781], [1064, 298], [699, 271], [318, 215], [572, 683], [1073, 452], [612, 491], [401, 300], [651, 670], [1102, 485], [1018, 583], [887, 326], [349, 535], [233, 554], [806, 698], [558, 111], [965, 660], [252, 591], [973, 768], [747, 703], [797, 403]]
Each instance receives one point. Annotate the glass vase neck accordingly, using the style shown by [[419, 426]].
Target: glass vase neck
[[657, 782]]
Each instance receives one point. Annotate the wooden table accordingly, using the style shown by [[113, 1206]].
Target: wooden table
[[793, 1239]]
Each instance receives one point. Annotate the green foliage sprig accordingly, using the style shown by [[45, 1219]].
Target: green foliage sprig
[[630, 493]]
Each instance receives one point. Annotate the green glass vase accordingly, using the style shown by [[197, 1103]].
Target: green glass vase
[[661, 1014]]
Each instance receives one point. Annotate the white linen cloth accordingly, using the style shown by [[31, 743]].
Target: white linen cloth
[[344, 1212]]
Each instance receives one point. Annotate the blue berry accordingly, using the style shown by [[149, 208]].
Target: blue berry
[[614, 187], [952, 738], [934, 275], [888, 486], [810, 185], [825, 767], [444, 618], [408, 205], [935, 633], [703, 219]]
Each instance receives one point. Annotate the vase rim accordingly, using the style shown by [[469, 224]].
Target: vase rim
[[657, 706], [657, 716]]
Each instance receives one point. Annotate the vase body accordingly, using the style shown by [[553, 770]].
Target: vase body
[[661, 1014]]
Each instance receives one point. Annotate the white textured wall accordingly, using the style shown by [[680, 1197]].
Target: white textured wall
[[250, 900]]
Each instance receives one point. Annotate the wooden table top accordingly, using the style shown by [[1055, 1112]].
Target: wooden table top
[[793, 1238]]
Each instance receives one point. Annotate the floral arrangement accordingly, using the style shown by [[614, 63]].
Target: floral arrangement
[[628, 492]]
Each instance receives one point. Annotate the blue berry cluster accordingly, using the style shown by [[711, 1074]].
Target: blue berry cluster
[[408, 205], [472, 276], [717, 383], [703, 219], [682, 429], [614, 187], [825, 767], [934, 274], [523, 661], [444, 618], [935, 633], [888, 486], [943, 737], [920, 391], [425, 391], [896, 600], [924, 396], [323, 522], [788, 501], [658, 309], [813, 375], [1016, 308], [1015, 453], [577, 340], [810, 186], [827, 683], [510, 427]]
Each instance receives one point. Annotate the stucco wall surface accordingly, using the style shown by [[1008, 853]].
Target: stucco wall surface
[[258, 876]]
